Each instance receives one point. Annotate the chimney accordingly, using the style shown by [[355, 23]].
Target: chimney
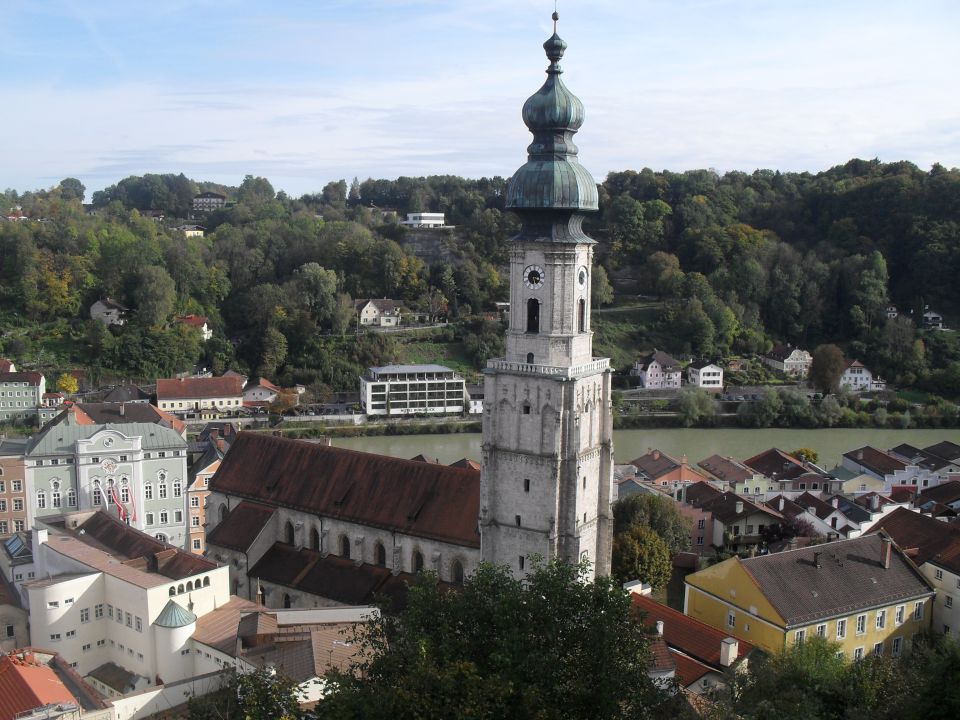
[[859, 454], [887, 552], [812, 510], [121, 409], [260, 594], [875, 503], [729, 649], [660, 628], [835, 502], [739, 506], [782, 503], [656, 454], [816, 560]]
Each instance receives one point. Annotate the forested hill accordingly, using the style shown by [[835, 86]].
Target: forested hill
[[741, 261]]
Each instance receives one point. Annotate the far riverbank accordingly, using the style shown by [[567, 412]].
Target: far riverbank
[[696, 443]]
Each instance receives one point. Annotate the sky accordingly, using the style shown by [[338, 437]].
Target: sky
[[306, 92]]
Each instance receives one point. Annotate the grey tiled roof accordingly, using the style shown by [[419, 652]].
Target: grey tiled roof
[[61, 438], [851, 577]]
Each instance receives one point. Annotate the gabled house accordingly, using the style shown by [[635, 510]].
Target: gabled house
[[660, 469], [737, 523], [203, 397], [657, 371], [39, 683], [776, 465], [874, 462], [934, 546], [933, 320], [126, 394], [789, 360], [936, 499], [857, 378], [727, 473], [199, 475], [864, 594], [702, 655], [109, 312], [374, 312], [196, 321], [706, 375], [260, 392]]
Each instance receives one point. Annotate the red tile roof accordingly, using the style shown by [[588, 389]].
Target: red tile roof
[[875, 460], [416, 498], [189, 388], [690, 636], [688, 669], [241, 526], [775, 463], [27, 683], [32, 378], [923, 538], [332, 577], [192, 320]]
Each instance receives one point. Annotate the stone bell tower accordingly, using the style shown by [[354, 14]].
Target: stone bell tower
[[547, 469]]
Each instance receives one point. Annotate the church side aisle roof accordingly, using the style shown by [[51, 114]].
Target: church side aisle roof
[[421, 499]]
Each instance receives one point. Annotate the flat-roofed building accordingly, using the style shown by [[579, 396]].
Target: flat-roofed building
[[412, 390]]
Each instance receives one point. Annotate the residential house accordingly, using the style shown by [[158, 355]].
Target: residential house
[[191, 230], [7, 366], [412, 390], [209, 201], [199, 322], [934, 546], [377, 312], [136, 470], [933, 320], [37, 683], [934, 501], [105, 413], [262, 392], [705, 375], [738, 523], [109, 312], [891, 311], [728, 474], [789, 360], [13, 492], [200, 397], [873, 462], [475, 399], [857, 378], [363, 524], [105, 595], [424, 220], [657, 371], [939, 459], [828, 518], [788, 472], [126, 394], [202, 471], [864, 594], [658, 468], [21, 394], [852, 482], [703, 655]]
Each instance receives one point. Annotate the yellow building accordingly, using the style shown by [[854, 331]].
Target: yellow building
[[864, 594]]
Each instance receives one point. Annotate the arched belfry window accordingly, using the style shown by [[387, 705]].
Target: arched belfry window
[[582, 315], [533, 315]]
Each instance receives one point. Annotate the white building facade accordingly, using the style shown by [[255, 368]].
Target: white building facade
[[705, 375], [21, 395], [135, 471], [412, 390]]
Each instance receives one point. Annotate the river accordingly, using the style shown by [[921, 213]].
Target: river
[[695, 443]]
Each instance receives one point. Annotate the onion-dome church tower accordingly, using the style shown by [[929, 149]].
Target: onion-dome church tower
[[547, 469]]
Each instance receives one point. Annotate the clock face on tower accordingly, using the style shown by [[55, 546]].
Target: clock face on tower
[[582, 276], [533, 277]]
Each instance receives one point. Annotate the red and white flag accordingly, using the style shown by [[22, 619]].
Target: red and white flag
[[115, 496]]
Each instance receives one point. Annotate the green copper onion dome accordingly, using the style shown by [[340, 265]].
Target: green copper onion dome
[[553, 178]]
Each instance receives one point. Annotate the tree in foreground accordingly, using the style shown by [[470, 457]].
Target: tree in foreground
[[549, 646], [259, 695], [640, 554], [659, 513]]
